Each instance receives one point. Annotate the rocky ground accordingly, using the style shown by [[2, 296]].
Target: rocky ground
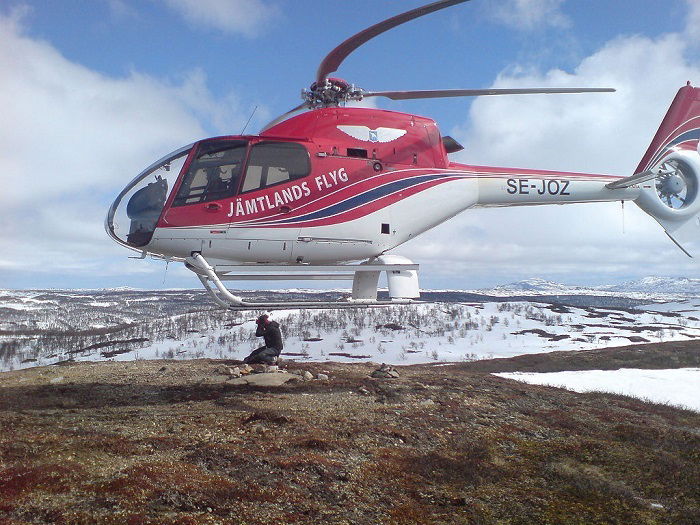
[[184, 442]]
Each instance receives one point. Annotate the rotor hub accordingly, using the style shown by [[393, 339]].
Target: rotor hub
[[331, 92], [673, 184]]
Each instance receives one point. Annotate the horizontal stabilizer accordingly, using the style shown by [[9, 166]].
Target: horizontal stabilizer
[[637, 178]]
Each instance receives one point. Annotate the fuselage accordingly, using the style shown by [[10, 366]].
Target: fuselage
[[330, 185]]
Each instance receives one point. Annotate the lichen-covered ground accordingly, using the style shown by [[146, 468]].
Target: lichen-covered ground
[[174, 442]]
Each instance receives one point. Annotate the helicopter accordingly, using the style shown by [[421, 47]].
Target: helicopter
[[327, 191]]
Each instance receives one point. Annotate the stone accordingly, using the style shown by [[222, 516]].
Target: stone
[[56, 379], [322, 377], [308, 376], [385, 372], [236, 372], [246, 369], [362, 390], [271, 368], [262, 379]]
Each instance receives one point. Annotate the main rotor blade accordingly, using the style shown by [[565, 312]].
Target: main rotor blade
[[442, 93], [284, 116], [340, 53]]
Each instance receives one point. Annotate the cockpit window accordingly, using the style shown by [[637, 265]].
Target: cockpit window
[[213, 174], [273, 163]]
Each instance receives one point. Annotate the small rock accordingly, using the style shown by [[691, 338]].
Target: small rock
[[308, 376], [271, 369], [246, 369], [385, 372], [322, 377], [236, 372], [163, 368], [56, 379], [362, 390]]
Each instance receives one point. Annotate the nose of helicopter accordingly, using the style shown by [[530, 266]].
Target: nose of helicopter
[[133, 216]]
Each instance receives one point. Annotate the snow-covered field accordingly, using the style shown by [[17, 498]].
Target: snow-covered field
[[41, 328], [435, 332], [678, 387], [44, 327]]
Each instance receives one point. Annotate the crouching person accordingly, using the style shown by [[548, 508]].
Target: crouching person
[[268, 354]]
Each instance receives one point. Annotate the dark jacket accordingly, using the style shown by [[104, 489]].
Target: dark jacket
[[271, 333]]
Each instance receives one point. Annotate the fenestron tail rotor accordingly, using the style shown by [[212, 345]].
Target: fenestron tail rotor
[[674, 187], [333, 92]]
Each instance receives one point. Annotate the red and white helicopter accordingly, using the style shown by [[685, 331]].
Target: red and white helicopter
[[317, 192]]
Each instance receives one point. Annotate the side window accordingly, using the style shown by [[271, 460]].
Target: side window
[[272, 163], [214, 174]]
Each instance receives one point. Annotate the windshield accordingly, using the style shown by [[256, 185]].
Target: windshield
[[132, 217]]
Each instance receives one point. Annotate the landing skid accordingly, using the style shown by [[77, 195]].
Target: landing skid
[[402, 279]]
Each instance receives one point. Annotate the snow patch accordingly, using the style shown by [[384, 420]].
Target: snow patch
[[679, 387]]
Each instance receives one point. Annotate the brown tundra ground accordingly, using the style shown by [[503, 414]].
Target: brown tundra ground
[[175, 442]]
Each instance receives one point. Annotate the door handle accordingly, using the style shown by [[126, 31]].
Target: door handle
[[212, 206]]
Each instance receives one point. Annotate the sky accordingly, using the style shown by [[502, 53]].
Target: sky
[[93, 91]]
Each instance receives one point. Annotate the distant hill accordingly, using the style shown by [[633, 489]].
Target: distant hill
[[658, 288]]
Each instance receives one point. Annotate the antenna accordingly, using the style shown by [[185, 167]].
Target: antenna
[[623, 217], [248, 122]]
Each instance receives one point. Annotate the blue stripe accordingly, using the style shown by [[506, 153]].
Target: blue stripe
[[688, 135], [364, 198]]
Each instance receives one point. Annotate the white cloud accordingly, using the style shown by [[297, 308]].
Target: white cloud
[[594, 133], [230, 16], [693, 22], [72, 139], [529, 14]]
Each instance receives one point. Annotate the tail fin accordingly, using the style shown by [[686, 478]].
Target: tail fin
[[679, 128], [672, 198]]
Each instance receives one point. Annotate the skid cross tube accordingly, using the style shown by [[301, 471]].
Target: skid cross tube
[[209, 275]]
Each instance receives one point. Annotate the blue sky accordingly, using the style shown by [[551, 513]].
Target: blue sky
[[93, 91]]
